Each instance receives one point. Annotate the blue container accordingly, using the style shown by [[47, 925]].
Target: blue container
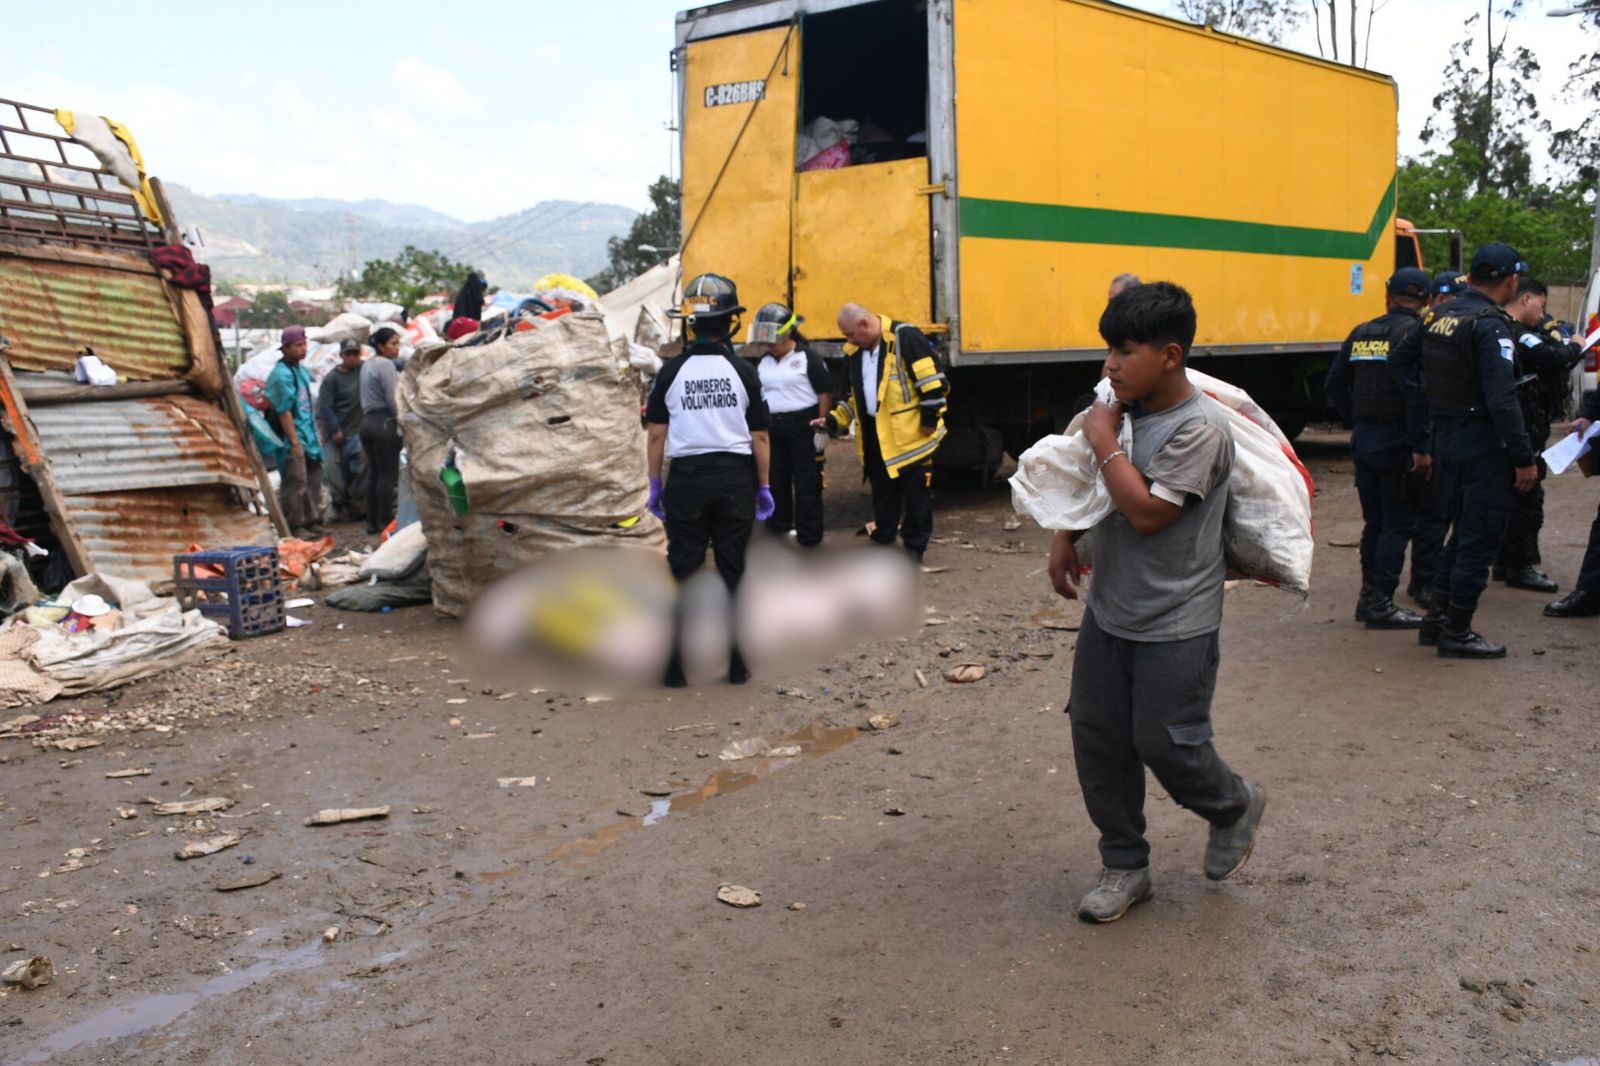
[[248, 595]]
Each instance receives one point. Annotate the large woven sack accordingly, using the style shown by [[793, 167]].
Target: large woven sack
[[1267, 529], [545, 429]]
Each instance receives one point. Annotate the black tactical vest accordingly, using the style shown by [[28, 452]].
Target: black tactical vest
[[1449, 359], [1375, 396]]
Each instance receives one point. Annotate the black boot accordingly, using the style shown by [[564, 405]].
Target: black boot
[[1498, 572], [1433, 623], [1361, 602], [1459, 641], [738, 672], [1531, 579], [1421, 593], [1579, 603], [1384, 613], [674, 678]]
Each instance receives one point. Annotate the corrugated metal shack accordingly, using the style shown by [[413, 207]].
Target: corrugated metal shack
[[118, 478]]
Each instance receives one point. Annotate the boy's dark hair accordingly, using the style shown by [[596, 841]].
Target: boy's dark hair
[[1526, 284], [1158, 314]]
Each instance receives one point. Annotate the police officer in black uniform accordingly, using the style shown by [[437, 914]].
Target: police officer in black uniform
[[1367, 397], [1545, 358], [707, 415], [1457, 371]]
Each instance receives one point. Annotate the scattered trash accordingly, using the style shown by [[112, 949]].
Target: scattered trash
[[17, 723], [748, 748], [796, 906], [1011, 525], [784, 751], [330, 934], [598, 699], [935, 569], [880, 722], [76, 743], [199, 806], [249, 882], [659, 788], [304, 601], [30, 973], [966, 673], [922, 679], [426, 808], [518, 782], [143, 771], [295, 623], [1057, 623], [738, 896], [195, 849], [127, 812], [335, 815], [895, 812], [72, 865], [480, 736], [794, 693], [457, 701], [696, 725]]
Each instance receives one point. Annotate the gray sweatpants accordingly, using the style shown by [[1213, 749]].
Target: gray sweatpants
[[1136, 704]]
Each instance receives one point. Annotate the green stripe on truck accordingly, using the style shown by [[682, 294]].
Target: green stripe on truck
[[1011, 220]]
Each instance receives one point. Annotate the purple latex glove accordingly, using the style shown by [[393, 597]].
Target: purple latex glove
[[653, 505], [764, 503]]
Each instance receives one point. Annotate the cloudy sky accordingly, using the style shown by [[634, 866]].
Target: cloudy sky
[[415, 103]]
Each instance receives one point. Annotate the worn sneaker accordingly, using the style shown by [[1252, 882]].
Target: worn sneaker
[[1116, 891], [1229, 846]]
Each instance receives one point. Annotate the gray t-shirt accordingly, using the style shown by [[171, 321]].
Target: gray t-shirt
[[379, 380], [1168, 585]]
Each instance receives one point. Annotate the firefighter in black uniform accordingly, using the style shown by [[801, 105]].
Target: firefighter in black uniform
[[1366, 395], [1480, 452], [1545, 358], [707, 415]]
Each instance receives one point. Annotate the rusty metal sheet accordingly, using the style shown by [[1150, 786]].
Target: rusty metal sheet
[[136, 534], [49, 311], [122, 445]]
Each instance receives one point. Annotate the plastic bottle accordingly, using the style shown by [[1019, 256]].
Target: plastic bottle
[[455, 486]]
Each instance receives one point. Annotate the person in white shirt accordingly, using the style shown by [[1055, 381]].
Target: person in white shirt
[[706, 414], [799, 390]]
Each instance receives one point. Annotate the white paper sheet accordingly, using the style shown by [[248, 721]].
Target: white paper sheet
[[1569, 449]]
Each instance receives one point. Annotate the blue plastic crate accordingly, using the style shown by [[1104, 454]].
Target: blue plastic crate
[[248, 595]]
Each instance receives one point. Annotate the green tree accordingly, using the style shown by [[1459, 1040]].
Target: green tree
[[1482, 178], [653, 238], [1267, 20], [407, 279]]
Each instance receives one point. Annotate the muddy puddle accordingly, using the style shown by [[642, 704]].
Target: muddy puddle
[[153, 1012], [814, 741]]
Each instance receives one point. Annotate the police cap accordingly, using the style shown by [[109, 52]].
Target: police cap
[[1409, 281], [1495, 261], [1449, 283]]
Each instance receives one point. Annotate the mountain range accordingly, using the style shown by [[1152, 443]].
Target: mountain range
[[314, 241]]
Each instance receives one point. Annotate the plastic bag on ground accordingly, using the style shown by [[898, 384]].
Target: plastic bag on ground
[[296, 556], [399, 555], [1267, 530]]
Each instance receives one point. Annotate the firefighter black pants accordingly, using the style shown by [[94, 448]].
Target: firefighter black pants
[[901, 504], [1475, 488], [796, 477], [1388, 510], [710, 501], [1136, 704], [1521, 548]]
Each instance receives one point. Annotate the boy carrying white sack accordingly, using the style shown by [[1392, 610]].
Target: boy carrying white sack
[[1146, 662]]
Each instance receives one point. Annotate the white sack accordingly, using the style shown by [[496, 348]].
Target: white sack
[[344, 327], [398, 556], [1266, 533]]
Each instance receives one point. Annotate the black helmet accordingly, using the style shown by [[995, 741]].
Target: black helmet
[[774, 320], [709, 296]]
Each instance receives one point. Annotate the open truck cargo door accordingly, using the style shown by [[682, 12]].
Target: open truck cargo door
[[741, 95]]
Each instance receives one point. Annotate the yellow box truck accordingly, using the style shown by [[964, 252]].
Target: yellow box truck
[[984, 168]]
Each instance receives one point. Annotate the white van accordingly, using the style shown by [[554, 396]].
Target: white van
[[1583, 375]]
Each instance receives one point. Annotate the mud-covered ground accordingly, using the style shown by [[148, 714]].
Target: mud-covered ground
[[1424, 888]]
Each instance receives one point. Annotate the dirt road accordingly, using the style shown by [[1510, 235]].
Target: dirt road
[[1424, 888]]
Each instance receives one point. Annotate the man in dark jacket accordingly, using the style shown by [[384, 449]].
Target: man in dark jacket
[[1367, 397], [1480, 451]]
